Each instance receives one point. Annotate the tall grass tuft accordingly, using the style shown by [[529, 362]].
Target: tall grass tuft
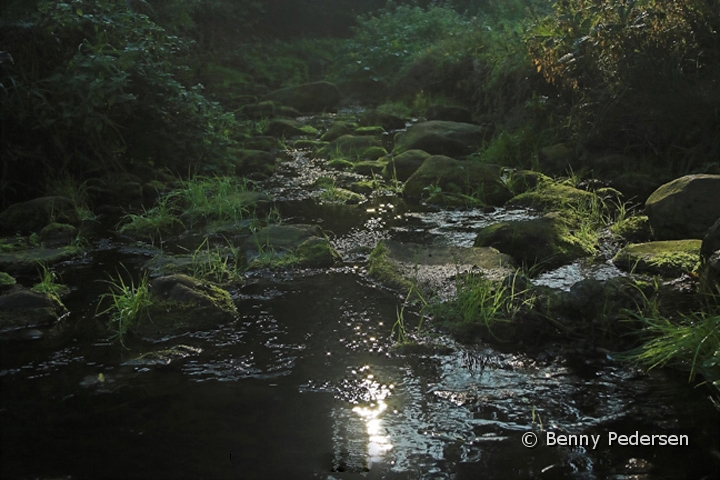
[[128, 303]]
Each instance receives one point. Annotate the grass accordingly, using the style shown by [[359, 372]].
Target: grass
[[216, 264], [128, 303], [399, 325], [483, 302], [48, 284], [198, 201]]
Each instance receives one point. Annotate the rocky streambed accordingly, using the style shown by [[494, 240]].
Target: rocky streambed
[[269, 347]]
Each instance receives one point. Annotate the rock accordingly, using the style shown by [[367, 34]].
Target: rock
[[385, 120], [7, 281], [441, 137], [253, 161], [449, 113], [711, 241], [354, 147], [545, 242], [283, 245], [433, 268], [28, 309], [669, 258], [635, 229], [685, 207], [404, 165], [308, 97], [26, 261], [268, 109], [710, 277], [369, 167], [457, 177], [283, 127], [33, 215], [181, 304], [557, 159], [551, 195], [163, 357], [636, 187], [337, 130], [373, 130], [58, 234], [265, 143]]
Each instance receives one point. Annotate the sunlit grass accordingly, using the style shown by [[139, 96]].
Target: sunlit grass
[[126, 304]]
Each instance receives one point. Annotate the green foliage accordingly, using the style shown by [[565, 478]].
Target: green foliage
[[218, 265], [481, 301], [198, 201], [638, 74], [48, 284], [128, 304], [690, 342], [108, 93]]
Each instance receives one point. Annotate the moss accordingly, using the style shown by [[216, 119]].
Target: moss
[[382, 269], [6, 280], [373, 130], [29, 259], [632, 229], [551, 195], [316, 253], [369, 167], [340, 164], [669, 258]]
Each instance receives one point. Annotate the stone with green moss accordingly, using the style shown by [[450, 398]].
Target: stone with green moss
[[28, 309], [545, 242], [253, 161], [402, 166], [635, 229], [340, 164], [181, 304], [337, 130], [552, 196], [316, 252], [369, 167], [669, 258], [280, 246], [308, 144], [33, 215], [6, 280], [370, 130], [439, 173], [433, 269], [283, 127], [386, 120], [28, 260], [441, 137]]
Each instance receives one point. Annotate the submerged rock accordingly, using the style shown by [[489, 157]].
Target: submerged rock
[[441, 137], [685, 207], [669, 258], [433, 268], [286, 245], [462, 177], [308, 97]]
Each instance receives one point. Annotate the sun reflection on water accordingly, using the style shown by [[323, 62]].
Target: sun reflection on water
[[379, 443]]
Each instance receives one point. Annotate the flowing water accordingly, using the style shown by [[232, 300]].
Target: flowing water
[[306, 383]]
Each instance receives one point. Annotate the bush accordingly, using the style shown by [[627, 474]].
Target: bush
[[90, 84], [640, 75]]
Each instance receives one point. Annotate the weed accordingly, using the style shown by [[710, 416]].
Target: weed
[[48, 284], [128, 304], [216, 265], [399, 325]]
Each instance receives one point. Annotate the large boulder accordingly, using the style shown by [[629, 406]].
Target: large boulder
[[546, 242], [441, 137], [462, 177], [685, 207], [308, 97], [449, 113], [33, 215], [669, 258], [27, 309], [404, 165]]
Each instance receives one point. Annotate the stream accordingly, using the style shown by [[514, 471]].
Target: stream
[[306, 382]]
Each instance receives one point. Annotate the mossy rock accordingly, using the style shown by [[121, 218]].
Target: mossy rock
[[337, 130], [385, 120], [545, 242], [340, 164], [29, 309], [441, 138], [370, 130], [449, 113], [557, 159], [6, 281], [26, 261], [670, 258], [551, 196], [280, 246], [471, 178], [33, 215], [369, 167], [352, 147], [308, 144], [404, 165], [521, 181], [182, 304], [264, 143], [633, 229], [433, 268], [685, 207], [254, 161], [56, 234], [283, 127]]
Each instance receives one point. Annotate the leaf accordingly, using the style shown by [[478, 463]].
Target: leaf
[[79, 12]]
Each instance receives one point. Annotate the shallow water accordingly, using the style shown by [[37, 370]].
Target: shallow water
[[306, 383]]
